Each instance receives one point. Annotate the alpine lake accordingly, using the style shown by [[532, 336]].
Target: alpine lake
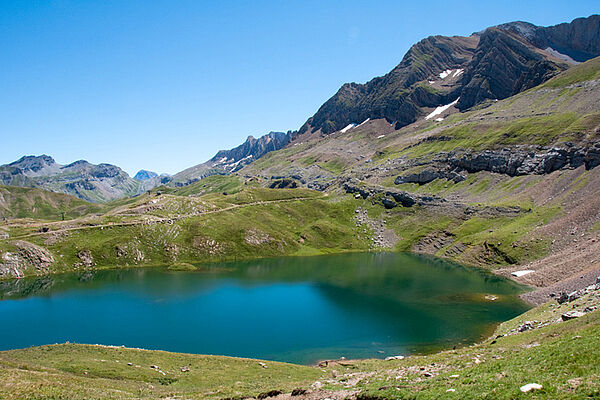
[[293, 309]]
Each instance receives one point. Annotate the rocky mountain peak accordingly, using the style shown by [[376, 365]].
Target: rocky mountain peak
[[33, 163], [144, 175]]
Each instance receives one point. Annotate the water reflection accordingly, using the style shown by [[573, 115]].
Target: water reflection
[[297, 309]]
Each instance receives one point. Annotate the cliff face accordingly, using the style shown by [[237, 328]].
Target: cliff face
[[503, 65], [397, 96]]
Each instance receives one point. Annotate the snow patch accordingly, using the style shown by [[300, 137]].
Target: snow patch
[[235, 164], [347, 128], [380, 136], [445, 73], [364, 122], [439, 119], [458, 72], [441, 109], [521, 273], [561, 56]]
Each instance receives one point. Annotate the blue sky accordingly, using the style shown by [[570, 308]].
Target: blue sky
[[163, 85]]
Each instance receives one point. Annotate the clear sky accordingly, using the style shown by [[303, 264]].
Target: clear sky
[[163, 85]]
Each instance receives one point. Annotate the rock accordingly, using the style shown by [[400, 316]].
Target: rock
[[530, 386], [562, 298], [298, 392], [317, 385], [262, 364], [154, 367], [590, 309], [185, 369], [527, 325], [36, 256], [86, 258], [571, 315], [270, 393], [388, 203], [394, 358], [285, 183], [573, 296]]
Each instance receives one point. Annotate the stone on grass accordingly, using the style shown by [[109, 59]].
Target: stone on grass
[[572, 315], [394, 358], [530, 386]]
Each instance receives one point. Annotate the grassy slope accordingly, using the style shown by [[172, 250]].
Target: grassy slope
[[20, 202], [72, 371]]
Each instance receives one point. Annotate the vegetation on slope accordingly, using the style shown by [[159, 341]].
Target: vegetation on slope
[[20, 202]]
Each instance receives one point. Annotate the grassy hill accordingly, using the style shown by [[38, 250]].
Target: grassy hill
[[19, 202]]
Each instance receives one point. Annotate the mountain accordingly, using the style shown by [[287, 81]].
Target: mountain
[[549, 127], [438, 72], [94, 183], [143, 175], [493, 64], [229, 161]]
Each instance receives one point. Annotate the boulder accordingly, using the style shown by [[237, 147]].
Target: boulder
[[571, 315]]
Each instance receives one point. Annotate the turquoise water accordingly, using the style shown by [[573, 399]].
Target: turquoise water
[[295, 309]]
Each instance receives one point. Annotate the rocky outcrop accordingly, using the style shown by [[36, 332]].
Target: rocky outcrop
[[388, 197], [430, 175], [512, 161], [526, 160], [86, 259], [27, 256], [284, 183]]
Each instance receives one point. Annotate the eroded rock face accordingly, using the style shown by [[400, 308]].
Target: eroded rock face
[[511, 161], [526, 160], [26, 256], [10, 266], [34, 255]]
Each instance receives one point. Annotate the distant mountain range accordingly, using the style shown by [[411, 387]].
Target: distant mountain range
[[229, 161], [436, 74], [95, 183]]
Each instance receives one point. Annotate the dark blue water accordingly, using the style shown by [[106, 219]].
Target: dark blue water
[[296, 309]]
